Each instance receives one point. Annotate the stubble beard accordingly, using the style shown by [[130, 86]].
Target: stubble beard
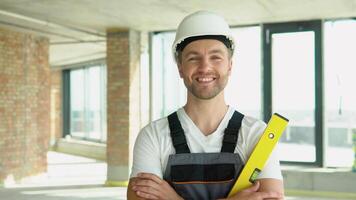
[[208, 92]]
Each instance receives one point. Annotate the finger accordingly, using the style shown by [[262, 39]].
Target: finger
[[150, 176], [146, 195], [146, 182], [133, 181], [253, 188], [149, 190]]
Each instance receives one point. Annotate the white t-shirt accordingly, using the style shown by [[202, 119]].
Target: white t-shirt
[[154, 144]]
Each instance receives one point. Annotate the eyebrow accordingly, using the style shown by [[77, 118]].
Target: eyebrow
[[216, 51], [210, 52]]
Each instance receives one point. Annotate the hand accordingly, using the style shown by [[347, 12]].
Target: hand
[[150, 186], [252, 193]]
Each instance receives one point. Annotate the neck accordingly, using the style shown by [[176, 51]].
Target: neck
[[206, 114]]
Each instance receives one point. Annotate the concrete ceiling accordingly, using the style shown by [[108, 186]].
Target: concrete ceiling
[[77, 28]]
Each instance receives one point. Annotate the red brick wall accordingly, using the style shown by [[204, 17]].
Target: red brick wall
[[123, 105], [24, 104], [118, 85]]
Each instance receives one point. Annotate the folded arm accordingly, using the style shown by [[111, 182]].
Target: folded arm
[[150, 186]]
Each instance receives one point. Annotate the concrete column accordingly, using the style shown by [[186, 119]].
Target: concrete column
[[123, 101]]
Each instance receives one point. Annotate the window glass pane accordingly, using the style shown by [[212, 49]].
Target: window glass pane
[[340, 100], [243, 90], [93, 97], [88, 103], [157, 89], [293, 93], [169, 92], [77, 103], [173, 86], [145, 88], [103, 119]]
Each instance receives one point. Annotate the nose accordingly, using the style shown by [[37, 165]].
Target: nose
[[205, 64]]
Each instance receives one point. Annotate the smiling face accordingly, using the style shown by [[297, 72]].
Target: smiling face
[[205, 67]]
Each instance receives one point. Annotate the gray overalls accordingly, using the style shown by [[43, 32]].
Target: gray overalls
[[203, 175]]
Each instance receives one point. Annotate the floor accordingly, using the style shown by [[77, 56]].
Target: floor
[[89, 192], [82, 192], [74, 178]]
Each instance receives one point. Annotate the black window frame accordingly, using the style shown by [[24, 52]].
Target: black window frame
[[66, 107], [316, 27]]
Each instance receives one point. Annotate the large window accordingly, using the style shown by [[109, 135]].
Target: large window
[[86, 102], [292, 63], [293, 59], [340, 98]]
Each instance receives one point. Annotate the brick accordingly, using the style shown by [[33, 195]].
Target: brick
[[25, 100], [123, 57]]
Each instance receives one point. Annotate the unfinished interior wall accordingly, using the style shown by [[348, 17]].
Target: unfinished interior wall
[[24, 104]]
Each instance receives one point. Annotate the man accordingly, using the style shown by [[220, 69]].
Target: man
[[199, 151]]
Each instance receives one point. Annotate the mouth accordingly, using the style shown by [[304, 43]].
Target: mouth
[[205, 80]]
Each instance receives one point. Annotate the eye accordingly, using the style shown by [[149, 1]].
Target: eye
[[192, 59], [216, 57]]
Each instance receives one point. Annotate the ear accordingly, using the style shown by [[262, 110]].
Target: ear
[[230, 66], [180, 69]]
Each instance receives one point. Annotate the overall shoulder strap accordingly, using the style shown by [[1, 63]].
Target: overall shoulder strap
[[231, 133], [177, 134]]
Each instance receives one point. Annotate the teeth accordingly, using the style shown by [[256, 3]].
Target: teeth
[[205, 79]]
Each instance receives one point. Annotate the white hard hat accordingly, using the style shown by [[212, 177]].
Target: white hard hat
[[202, 23]]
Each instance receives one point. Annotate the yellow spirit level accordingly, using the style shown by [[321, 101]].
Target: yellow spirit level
[[260, 153]]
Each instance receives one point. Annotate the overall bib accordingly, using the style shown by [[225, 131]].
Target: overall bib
[[203, 175]]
